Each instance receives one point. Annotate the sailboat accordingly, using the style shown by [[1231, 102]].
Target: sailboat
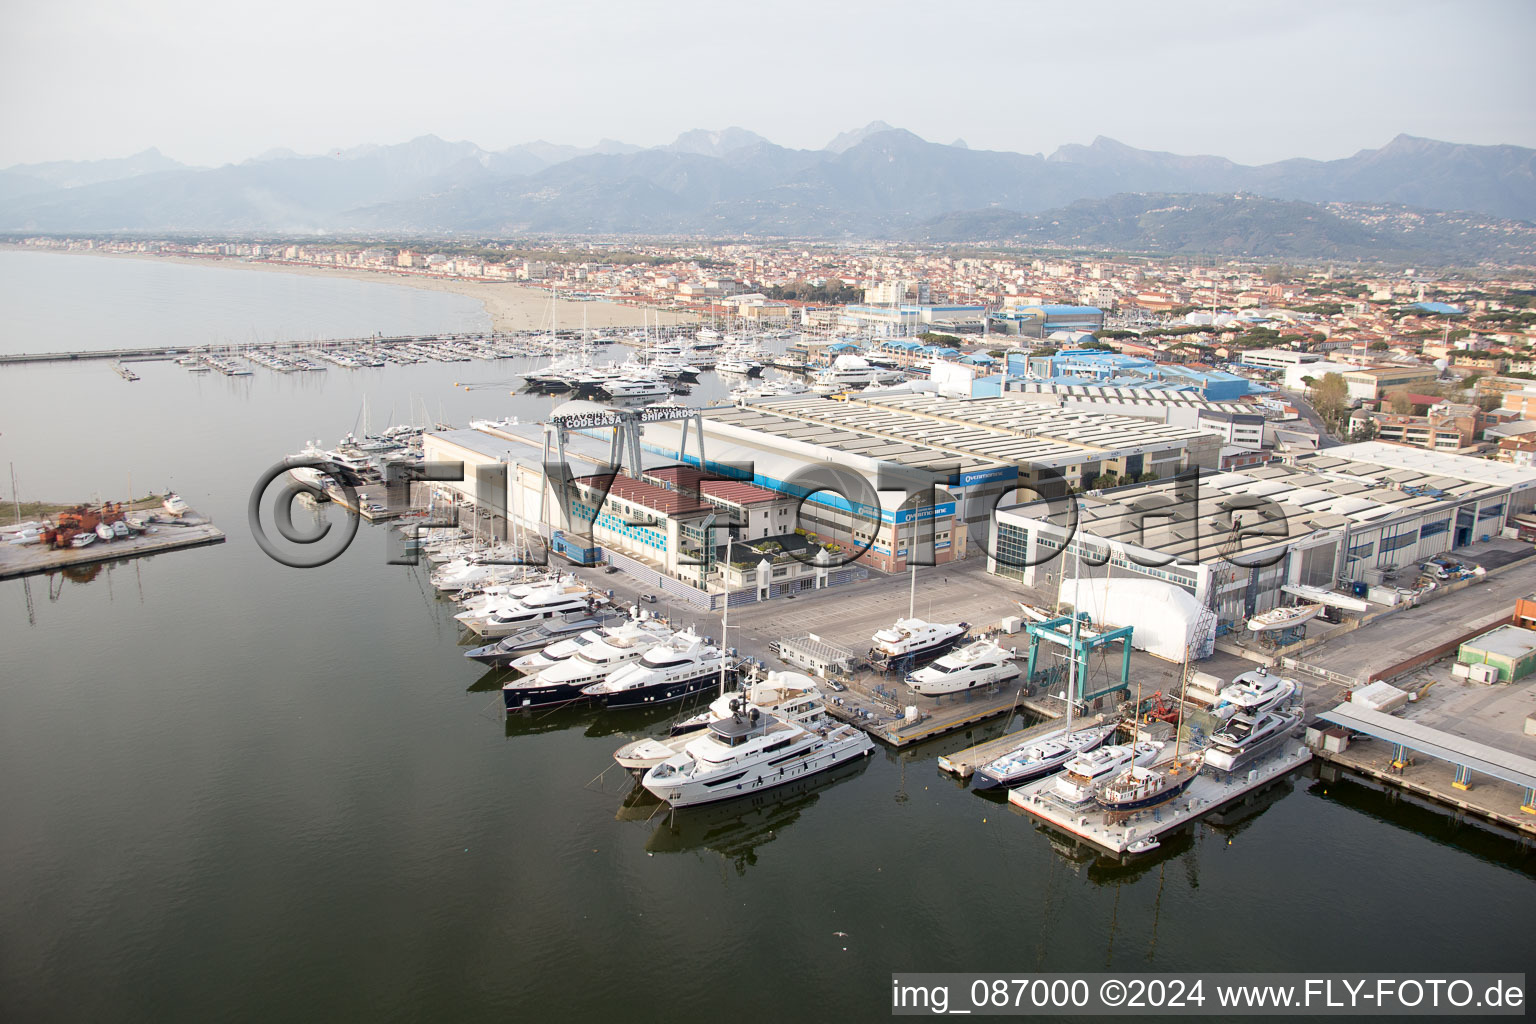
[[1142, 787], [1046, 754]]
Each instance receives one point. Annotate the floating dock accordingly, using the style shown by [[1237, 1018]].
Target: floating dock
[[1207, 793], [31, 559], [965, 762], [884, 719]]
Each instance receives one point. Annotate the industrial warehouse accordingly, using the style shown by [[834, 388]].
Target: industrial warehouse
[[1238, 542]]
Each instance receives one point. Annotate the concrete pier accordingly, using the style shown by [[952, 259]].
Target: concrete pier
[[1207, 793], [31, 559]]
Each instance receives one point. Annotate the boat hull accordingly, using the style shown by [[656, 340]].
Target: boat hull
[[885, 660], [1227, 760], [658, 693], [1157, 799], [529, 698], [761, 778], [984, 778]]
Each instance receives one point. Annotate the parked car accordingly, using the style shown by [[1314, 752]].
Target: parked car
[[648, 598], [610, 570]]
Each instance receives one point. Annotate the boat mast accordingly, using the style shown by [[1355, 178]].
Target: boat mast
[[1077, 586], [725, 615], [912, 596]]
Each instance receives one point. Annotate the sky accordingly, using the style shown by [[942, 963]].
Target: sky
[[211, 83]]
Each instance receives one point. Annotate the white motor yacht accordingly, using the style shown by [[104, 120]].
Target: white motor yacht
[[981, 663], [684, 665], [1253, 693], [1246, 738], [523, 612], [912, 640], [790, 696], [564, 681], [751, 752]]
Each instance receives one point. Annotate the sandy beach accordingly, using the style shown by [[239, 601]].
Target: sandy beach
[[511, 307]]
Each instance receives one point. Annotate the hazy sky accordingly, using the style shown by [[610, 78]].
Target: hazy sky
[[212, 82]]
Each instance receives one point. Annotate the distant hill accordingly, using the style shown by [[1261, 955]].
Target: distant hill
[[1246, 225], [876, 181]]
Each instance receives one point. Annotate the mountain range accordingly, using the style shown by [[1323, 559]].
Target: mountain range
[[874, 182]]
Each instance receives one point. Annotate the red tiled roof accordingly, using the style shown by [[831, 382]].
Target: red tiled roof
[[657, 499], [736, 492]]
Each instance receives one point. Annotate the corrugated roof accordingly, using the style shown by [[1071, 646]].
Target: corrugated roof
[[657, 499], [737, 492]]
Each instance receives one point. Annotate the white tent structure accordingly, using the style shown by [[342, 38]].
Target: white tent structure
[[1165, 619]]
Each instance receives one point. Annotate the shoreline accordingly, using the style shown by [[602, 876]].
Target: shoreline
[[510, 306]]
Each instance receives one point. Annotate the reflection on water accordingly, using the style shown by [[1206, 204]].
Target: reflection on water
[[1103, 867], [1407, 812], [735, 829]]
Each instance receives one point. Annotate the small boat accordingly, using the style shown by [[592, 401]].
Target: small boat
[[104, 532], [83, 539], [30, 535], [1283, 618], [175, 505], [120, 530], [1144, 845]]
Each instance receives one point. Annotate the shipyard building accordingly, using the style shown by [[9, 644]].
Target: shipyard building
[[1240, 541]]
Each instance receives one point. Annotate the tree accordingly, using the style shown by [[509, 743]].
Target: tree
[[1400, 403], [1330, 397], [1364, 430], [1378, 346]]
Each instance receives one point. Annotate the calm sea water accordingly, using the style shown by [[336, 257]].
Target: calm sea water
[[233, 790], [77, 301]]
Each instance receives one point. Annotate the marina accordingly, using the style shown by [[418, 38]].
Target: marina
[[313, 739]]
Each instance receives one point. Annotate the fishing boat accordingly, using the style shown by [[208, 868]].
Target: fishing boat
[[1283, 618], [1142, 787]]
